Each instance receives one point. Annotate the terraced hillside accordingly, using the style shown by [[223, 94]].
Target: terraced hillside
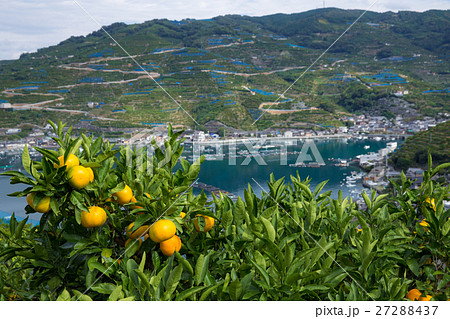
[[225, 68]]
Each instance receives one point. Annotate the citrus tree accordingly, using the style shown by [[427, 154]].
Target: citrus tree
[[135, 230]]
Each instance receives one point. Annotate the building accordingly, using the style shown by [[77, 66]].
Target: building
[[414, 172], [288, 134], [13, 130], [5, 106]]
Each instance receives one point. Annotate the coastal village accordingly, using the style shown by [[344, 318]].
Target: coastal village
[[374, 164]]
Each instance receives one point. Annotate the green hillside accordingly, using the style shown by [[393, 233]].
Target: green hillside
[[225, 68], [414, 152]]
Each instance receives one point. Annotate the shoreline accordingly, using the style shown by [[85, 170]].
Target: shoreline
[[7, 216], [271, 139]]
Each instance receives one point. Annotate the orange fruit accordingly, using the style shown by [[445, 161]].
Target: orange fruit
[[91, 174], [423, 223], [431, 202], [134, 200], [138, 232], [124, 196], [133, 240], [169, 246], [209, 223], [96, 217], [71, 161], [182, 215], [42, 207], [162, 230], [78, 177], [427, 298], [413, 294], [146, 236]]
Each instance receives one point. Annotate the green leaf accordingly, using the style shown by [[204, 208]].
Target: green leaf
[[259, 259], [116, 294], [319, 187], [188, 292], [73, 148], [201, 268], [64, 296], [131, 267], [26, 160], [143, 260], [91, 165], [144, 279], [269, 228], [239, 211], [104, 288], [172, 282], [414, 266], [77, 200], [263, 273], [438, 168], [446, 228], [19, 228], [118, 188], [235, 290], [80, 296], [445, 279], [227, 219], [131, 298], [209, 290], [50, 154], [186, 265]]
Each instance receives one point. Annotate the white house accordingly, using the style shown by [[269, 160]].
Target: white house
[[13, 130], [5, 105]]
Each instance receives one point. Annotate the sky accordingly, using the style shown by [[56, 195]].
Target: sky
[[27, 25]]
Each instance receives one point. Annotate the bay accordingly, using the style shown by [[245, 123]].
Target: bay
[[235, 177]]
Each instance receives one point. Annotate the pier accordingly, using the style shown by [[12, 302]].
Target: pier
[[214, 190]]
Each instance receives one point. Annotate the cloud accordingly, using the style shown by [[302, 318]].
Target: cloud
[[26, 25]]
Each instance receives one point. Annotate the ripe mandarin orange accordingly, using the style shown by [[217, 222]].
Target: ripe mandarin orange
[[169, 246], [71, 161], [96, 217], [138, 232], [124, 196], [162, 230], [78, 177], [427, 298], [209, 223], [413, 294], [91, 174], [42, 207], [182, 215]]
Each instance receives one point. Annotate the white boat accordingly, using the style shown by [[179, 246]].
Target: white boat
[[366, 147]]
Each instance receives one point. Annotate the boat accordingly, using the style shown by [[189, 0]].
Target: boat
[[366, 147], [342, 163]]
